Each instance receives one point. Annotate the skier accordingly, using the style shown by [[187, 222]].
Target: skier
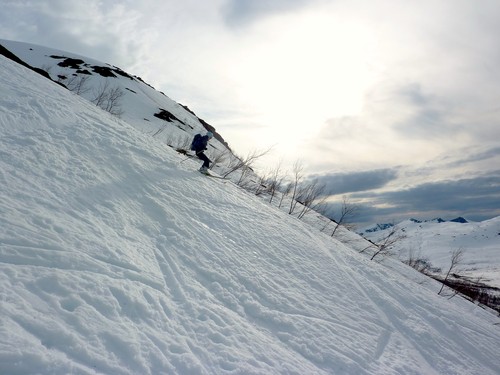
[[199, 145]]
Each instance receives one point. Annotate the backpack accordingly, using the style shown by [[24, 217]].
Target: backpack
[[196, 144]]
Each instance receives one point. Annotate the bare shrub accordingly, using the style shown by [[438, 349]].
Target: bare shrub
[[286, 191], [108, 98], [417, 262], [275, 181], [219, 157], [78, 84], [261, 185], [298, 175], [245, 164], [311, 197], [456, 260], [347, 212], [160, 130], [384, 246]]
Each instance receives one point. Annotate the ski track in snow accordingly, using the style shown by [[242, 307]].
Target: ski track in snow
[[117, 259]]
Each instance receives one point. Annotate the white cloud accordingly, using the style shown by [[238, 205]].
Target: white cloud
[[241, 13]]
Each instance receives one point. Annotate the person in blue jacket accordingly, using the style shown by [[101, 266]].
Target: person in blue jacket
[[199, 145]]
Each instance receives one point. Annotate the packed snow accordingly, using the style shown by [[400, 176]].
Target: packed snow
[[118, 257]]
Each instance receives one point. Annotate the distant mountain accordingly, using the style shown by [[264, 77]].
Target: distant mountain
[[376, 228], [459, 220], [381, 227]]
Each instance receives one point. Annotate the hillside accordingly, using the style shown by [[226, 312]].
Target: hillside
[[431, 245], [436, 240], [139, 104], [116, 258]]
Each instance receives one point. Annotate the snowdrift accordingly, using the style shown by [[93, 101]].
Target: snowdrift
[[115, 258]]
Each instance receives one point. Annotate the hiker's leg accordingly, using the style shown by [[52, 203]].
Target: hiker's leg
[[206, 160]]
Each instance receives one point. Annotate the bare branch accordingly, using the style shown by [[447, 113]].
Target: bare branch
[[311, 197], [245, 164], [108, 98], [298, 175], [456, 260], [275, 181], [388, 242], [347, 212], [285, 193], [78, 84]]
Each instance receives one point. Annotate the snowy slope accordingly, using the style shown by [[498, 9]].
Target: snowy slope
[[115, 258], [139, 103], [435, 241]]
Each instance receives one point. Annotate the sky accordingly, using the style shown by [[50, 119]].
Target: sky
[[392, 103]]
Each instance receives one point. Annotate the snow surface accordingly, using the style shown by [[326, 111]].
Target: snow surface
[[118, 258]]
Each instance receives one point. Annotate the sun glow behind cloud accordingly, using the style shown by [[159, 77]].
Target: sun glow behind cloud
[[303, 71]]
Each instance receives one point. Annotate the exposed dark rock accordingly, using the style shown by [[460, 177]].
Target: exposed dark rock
[[84, 71], [167, 116], [187, 109], [71, 63], [5, 52], [141, 80], [103, 71], [122, 73]]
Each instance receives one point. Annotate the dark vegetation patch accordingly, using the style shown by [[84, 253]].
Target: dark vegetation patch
[[167, 116], [170, 117], [122, 73], [141, 80], [474, 290], [71, 63], [81, 67], [83, 71], [104, 71], [187, 109]]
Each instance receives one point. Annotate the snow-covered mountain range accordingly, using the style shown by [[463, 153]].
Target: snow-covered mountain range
[[117, 257]]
